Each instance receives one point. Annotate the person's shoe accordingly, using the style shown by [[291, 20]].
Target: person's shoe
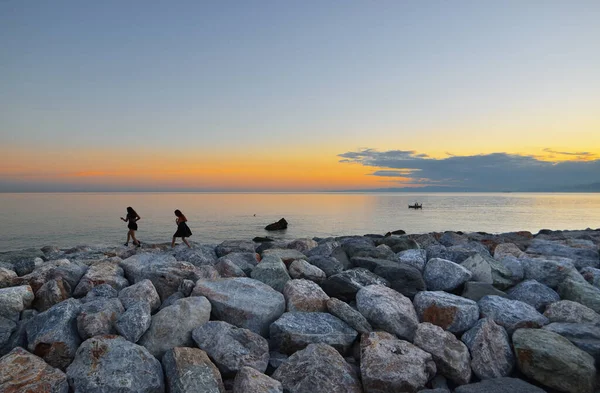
[[126, 244], [139, 244]]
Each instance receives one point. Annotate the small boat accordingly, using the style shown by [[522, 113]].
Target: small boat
[[416, 206]]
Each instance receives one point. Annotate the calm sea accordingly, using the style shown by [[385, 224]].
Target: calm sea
[[69, 219]]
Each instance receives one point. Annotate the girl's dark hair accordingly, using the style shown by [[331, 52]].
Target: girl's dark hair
[[131, 212], [178, 213]]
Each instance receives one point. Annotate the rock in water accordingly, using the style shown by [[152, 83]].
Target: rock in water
[[573, 312], [534, 293], [20, 371], [295, 330], [272, 271], [98, 318], [500, 385], [172, 326], [352, 317], [318, 368], [512, 314], [232, 348], [107, 364], [344, 285], [189, 370], [243, 302], [304, 296], [142, 291], [53, 336], [248, 380], [443, 275], [134, 322], [277, 226], [451, 356], [450, 312], [492, 355], [388, 310], [392, 365], [553, 361]]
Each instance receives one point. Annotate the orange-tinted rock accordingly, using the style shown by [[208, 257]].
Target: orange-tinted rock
[[22, 372]]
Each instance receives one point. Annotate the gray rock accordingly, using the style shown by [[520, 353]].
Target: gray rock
[[68, 271], [171, 300], [450, 238], [230, 246], [515, 266], [107, 364], [450, 355], [416, 258], [7, 327], [227, 268], [7, 277], [346, 284], [98, 318], [189, 370], [232, 348], [51, 293], [549, 272], [573, 312], [199, 255], [134, 322], [100, 291], [444, 275], [402, 278], [591, 275], [52, 335], [305, 296], [392, 365], [301, 269], [511, 314], [244, 260], [584, 336], [172, 326], [553, 361], [318, 368], [492, 355], [206, 273], [142, 291], [248, 380], [398, 244], [533, 293], [295, 330], [302, 245], [456, 254], [272, 271], [580, 292], [24, 266], [12, 335], [388, 310], [340, 255], [450, 312], [582, 257], [500, 385], [323, 249], [286, 255], [20, 371], [276, 359], [352, 317], [186, 287], [329, 265], [503, 250], [475, 290], [487, 269], [14, 257], [13, 300], [243, 302], [101, 273]]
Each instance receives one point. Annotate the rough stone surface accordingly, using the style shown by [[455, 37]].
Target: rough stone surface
[[573, 312], [287, 256], [68, 271], [329, 265], [444, 275], [248, 380], [352, 317], [553, 361], [101, 291], [22, 372], [200, 255], [272, 271], [450, 355], [134, 322], [301, 269], [511, 314], [227, 268], [189, 370], [101, 273], [582, 257], [106, 364], [142, 291], [398, 244], [534, 293], [487, 269], [475, 290], [416, 258], [7, 277], [580, 292], [98, 318], [345, 285], [232, 348], [591, 275], [500, 385], [548, 272], [388, 310], [243, 302], [14, 300], [392, 365], [295, 330], [304, 295], [51, 293], [243, 260], [302, 245], [450, 312], [507, 250], [53, 336], [230, 246], [402, 278], [318, 368], [324, 249], [584, 336], [492, 355]]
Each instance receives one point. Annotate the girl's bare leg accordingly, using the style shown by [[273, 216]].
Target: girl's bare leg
[[173, 243], [186, 242], [135, 241], [128, 235]]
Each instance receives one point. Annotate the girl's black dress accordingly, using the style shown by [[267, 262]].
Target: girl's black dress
[[131, 222], [183, 230]]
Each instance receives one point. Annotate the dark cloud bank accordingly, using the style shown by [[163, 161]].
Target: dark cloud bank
[[496, 172]]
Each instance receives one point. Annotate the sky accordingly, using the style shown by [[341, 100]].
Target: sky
[[298, 96]]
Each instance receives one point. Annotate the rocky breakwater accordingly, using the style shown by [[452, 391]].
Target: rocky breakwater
[[462, 312]]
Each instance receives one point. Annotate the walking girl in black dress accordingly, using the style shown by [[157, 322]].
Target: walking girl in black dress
[[183, 230], [131, 219]]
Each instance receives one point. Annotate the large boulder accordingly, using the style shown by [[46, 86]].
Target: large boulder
[[107, 364], [7, 277], [296, 330], [272, 271], [352, 317], [14, 300], [51, 293], [21, 259], [302, 245], [189, 370], [277, 226], [7, 327], [101, 273], [227, 268], [286, 255], [500, 385], [329, 265], [346, 284], [318, 368], [451, 356], [582, 257], [388, 310], [450, 312], [416, 258], [444, 275], [142, 291], [511, 314], [392, 365], [585, 336], [103, 291], [248, 380], [232, 348], [553, 361], [534, 293], [515, 266], [503, 250], [580, 292], [402, 278], [20, 371], [172, 326], [98, 318], [475, 290], [53, 336], [243, 260], [573, 312], [243, 302], [134, 322], [305, 296], [200, 255], [69, 271], [492, 355], [487, 269], [324, 249], [229, 246], [549, 272], [398, 244], [300, 269]]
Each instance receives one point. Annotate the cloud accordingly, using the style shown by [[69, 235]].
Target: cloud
[[485, 172]]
